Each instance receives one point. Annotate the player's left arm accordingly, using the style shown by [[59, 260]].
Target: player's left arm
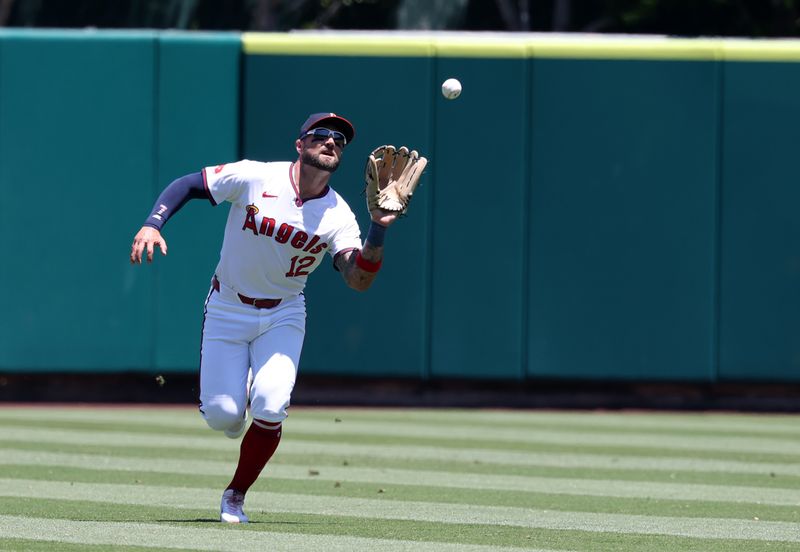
[[360, 267]]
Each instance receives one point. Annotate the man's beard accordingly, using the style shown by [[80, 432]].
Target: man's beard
[[329, 164]]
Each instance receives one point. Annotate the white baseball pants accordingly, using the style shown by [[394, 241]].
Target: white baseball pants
[[238, 338]]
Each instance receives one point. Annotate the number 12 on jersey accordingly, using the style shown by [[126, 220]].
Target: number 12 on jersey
[[299, 266]]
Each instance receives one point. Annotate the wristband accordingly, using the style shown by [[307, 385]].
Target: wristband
[[376, 233], [158, 218], [367, 266]]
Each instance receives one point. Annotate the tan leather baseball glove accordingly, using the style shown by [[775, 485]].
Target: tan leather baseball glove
[[392, 175]]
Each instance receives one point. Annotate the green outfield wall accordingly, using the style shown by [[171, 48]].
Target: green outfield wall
[[594, 208], [92, 126]]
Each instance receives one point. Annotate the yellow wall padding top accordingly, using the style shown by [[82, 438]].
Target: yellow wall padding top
[[514, 45]]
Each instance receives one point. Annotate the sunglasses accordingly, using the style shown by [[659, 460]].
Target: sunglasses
[[324, 133]]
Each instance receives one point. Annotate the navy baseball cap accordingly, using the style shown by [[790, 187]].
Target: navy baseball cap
[[332, 121]]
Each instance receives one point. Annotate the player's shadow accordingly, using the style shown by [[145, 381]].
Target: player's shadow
[[196, 520], [252, 522]]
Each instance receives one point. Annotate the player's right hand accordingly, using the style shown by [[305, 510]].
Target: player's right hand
[[147, 238]]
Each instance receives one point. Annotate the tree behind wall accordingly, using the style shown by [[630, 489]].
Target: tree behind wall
[[748, 18]]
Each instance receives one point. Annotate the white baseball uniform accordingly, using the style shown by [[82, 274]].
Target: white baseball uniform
[[273, 241]]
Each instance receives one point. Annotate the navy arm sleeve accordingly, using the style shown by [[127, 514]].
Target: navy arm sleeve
[[174, 197]]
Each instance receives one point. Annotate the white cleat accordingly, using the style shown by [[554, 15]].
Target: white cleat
[[230, 511], [236, 431]]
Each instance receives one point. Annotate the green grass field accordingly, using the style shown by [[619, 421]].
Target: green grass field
[[403, 479]]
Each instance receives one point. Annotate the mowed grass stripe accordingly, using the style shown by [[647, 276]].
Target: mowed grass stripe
[[543, 459], [633, 422], [27, 545], [321, 447], [188, 416], [466, 456], [214, 443], [708, 423], [555, 436], [544, 485], [496, 536], [222, 538], [414, 493], [400, 430], [463, 458], [556, 503], [281, 503], [354, 431], [209, 441]]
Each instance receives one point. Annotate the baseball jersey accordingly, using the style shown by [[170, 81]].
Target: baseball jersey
[[273, 240]]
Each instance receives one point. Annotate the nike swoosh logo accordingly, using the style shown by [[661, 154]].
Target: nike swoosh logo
[[265, 194]]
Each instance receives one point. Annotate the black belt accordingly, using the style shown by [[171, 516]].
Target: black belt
[[257, 303]]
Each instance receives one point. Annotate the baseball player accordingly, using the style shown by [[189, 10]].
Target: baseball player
[[284, 218]]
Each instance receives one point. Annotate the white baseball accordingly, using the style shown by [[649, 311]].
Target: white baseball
[[451, 89]]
